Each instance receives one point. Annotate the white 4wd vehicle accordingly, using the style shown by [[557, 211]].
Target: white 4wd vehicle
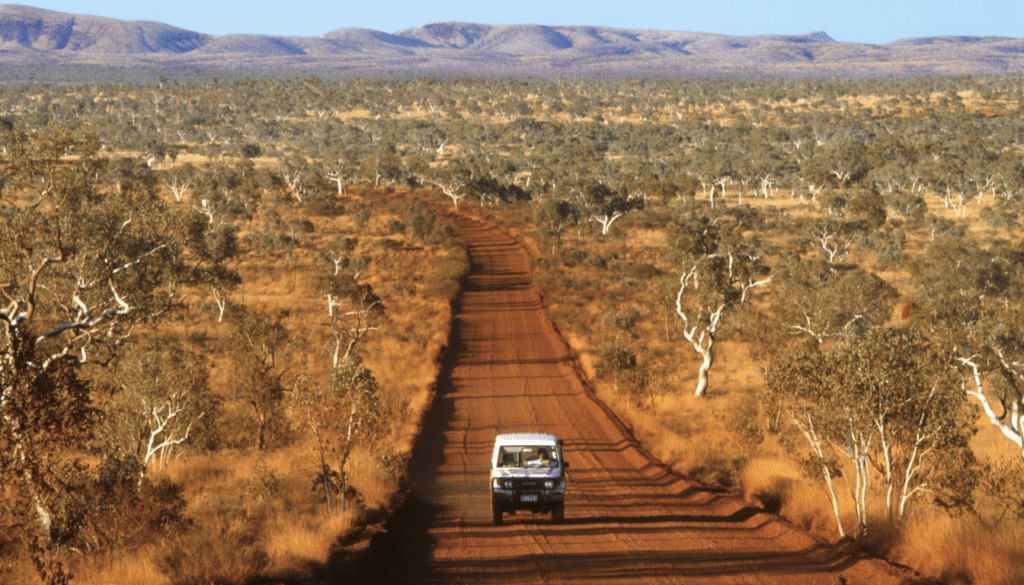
[[527, 473]]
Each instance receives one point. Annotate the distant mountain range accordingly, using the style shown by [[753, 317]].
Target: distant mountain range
[[34, 37]]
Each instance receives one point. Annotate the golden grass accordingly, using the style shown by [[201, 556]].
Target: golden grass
[[375, 488], [295, 543], [205, 469], [296, 529], [119, 568], [775, 482], [17, 570], [962, 551]]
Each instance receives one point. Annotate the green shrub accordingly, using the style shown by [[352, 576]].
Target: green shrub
[[997, 218], [621, 320], [571, 257], [395, 227], [388, 244], [419, 218], [359, 212], [891, 250], [446, 280], [594, 260], [577, 285], [301, 225], [620, 366], [643, 271], [265, 485], [323, 204]]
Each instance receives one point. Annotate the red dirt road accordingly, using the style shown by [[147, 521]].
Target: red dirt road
[[628, 518]]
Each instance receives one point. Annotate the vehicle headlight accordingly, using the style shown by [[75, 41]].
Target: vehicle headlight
[[496, 484], [508, 484], [549, 484]]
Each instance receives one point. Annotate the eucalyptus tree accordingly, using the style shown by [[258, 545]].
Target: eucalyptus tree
[[821, 301], [161, 399], [338, 167], [606, 206], [297, 173], [839, 162], [599, 203], [353, 309], [713, 169], [454, 180], [256, 344], [947, 181], [381, 167], [883, 403], [315, 410], [1009, 176], [833, 235], [552, 217], [361, 415], [890, 160], [969, 301], [83, 265], [180, 180], [719, 270], [761, 165], [222, 192], [219, 246]]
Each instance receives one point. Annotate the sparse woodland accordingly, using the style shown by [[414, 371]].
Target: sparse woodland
[[808, 291]]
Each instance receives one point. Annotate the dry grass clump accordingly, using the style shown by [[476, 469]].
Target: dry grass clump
[[446, 280], [293, 545], [231, 550], [961, 551], [376, 480], [776, 483], [264, 507], [134, 566], [696, 444]]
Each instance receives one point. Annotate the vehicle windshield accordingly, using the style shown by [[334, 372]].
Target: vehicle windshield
[[527, 456]]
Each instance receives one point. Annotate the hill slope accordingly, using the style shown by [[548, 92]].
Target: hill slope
[[31, 36], [28, 28]]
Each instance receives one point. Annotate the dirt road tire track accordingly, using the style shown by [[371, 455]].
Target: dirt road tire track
[[628, 517]]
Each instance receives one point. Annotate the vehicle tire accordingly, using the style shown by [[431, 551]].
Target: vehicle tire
[[496, 515], [558, 513]]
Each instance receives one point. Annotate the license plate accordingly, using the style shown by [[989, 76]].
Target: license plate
[[528, 498]]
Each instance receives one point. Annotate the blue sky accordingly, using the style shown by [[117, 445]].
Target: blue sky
[[869, 21]]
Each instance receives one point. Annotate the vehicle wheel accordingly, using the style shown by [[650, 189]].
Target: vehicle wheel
[[558, 513], [496, 513]]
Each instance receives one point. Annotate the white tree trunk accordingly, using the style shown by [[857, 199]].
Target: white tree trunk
[[1015, 429], [708, 355], [606, 221], [807, 428]]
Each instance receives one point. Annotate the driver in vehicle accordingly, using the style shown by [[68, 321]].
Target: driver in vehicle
[[543, 459]]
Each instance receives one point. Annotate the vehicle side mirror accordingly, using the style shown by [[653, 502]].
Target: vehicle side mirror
[[489, 466]]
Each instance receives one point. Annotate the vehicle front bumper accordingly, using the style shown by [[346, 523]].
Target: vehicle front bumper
[[526, 500]]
